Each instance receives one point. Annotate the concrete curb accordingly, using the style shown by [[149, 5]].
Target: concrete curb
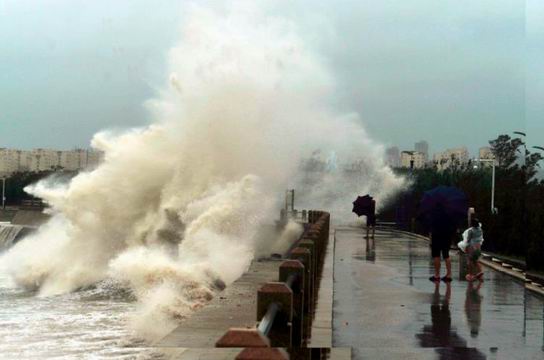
[[411, 234], [535, 288], [322, 325], [322, 328], [519, 275]]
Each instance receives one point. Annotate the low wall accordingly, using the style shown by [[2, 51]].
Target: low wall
[[33, 218], [7, 215], [25, 217], [285, 308]]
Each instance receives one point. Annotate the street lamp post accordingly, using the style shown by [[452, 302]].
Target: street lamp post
[[524, 146], [524, 189], [3, 193], [492, 161]]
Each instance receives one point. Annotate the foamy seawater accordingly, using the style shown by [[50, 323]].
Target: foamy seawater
[[89, 324]]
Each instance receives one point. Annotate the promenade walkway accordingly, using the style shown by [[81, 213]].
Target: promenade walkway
[[386, 308]]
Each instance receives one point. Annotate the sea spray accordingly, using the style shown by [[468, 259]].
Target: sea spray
[[173, 211]]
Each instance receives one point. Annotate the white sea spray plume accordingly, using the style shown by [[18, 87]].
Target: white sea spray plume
[[174, 210]]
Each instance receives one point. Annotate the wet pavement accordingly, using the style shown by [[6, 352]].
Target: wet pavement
[[386, 308]]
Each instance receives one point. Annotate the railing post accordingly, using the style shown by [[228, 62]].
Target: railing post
[[280, 334], [311, 216], [310, 245], [319, 233], [294, 268], [262, 353], [242, 337], [305, 257], [313, 235]]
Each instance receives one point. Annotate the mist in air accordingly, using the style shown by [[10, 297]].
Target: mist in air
[[174, 210]]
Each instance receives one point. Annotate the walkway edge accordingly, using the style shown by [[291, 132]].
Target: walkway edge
[[321, 335]]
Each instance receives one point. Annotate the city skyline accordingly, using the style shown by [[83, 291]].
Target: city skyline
[[419, 156], [48, 143], [431, 152], [14, 160]]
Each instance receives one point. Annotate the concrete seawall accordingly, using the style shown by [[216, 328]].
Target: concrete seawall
[[236, 306], [16, 224], [11, 234], [30, 218], [231, 325], [33, 218]]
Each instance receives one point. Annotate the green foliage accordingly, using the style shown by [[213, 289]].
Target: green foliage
[[16, 183], [535, 225], [504, 148], [518, 228]]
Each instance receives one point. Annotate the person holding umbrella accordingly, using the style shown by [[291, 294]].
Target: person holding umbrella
[[366, 205], [442, 206], [442, 231]]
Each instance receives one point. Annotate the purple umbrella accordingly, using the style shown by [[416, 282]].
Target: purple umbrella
[[449, 199], [363, 205]]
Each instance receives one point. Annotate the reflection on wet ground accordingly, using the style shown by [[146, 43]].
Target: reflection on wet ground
[[385, 306], [441, 335]]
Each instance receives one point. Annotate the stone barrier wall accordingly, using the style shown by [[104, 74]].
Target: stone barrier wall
[[285, 308]]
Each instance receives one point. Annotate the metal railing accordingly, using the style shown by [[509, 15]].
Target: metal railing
[[268, 319]]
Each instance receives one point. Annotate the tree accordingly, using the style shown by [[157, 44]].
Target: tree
[[532, 165], [504, 149], [518, 229], [16, 183]]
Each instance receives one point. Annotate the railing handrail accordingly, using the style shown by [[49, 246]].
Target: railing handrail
[[268, 319], [295, 243], [291, 280]]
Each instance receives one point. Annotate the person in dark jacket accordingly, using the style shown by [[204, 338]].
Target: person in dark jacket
[[442, 231], [371, 220]]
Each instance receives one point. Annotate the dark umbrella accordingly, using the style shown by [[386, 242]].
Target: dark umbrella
[[363, 205], [449, 199]]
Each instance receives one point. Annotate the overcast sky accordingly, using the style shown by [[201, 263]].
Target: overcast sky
[[452, 72], [535, 72]]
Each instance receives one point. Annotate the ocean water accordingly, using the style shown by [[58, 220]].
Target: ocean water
[[86, 324]]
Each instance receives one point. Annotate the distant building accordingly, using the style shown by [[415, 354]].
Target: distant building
[[79, 159], [422, 147], [42, 159], [9, 161], [412, 159], [392, 156], [451, 157], [69, 160], [13, 160], [485, 153]]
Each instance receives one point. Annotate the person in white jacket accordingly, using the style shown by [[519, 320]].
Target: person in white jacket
[[475, 237]]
